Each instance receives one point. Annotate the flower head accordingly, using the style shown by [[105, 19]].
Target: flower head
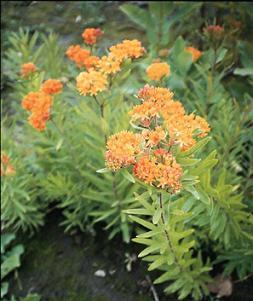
[[196, 54], [159, 170], [214, 29], [27, 69], [90, 35], [91, 61], [77, 54], [109, 64], [127, 49], [122, 149], [91, 82], [52, 86], [39, 103], [156, 71]]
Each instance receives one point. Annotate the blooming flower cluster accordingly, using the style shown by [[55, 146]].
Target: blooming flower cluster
[[39, 103], [156, 71], [6, 168], [27, 69], [91, 82], [216, 29], [163, 123], [90, 35], [95, 78], [196, 54]]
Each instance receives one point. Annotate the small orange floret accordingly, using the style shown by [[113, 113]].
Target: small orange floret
[[156, 71], [122, 149], [52, 86], [91, 82], [27, 69], [77, 54], [90, 35], [196, 54]]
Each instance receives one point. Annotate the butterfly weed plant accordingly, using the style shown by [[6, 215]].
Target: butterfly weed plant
[[165, 162]]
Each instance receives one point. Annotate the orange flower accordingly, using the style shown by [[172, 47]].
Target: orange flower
[[6, 168], [154, 137], [155, 101], [183, 130], [90, 35], [27, 69], [78, 55], [52, 86], [122, 149], [34, 99], [214, 29], [196, 54], [109, 64], [91, 61], [91, 82], [159, 170], [39, 103], [38, 119], [127, 49], [158, 70]]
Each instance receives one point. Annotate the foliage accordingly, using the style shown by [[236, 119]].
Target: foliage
[[10, 259], [62, 166]]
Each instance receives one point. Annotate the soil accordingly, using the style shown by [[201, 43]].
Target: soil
[[62, 267]]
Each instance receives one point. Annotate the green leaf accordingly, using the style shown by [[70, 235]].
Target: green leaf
[[195, 148], [103, 170], [157, 216], [4, 288], [142, 222], [128, 176], [136, 14], [244, 71], [12, 262], [5, 240]]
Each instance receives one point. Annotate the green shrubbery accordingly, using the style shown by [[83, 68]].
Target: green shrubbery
[[63, 165]]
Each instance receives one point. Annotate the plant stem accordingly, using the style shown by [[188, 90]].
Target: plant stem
[[167, 234], [101, 108], [70, 148]]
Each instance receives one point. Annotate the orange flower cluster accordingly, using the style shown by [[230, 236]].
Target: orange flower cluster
[[78, 54], [39, 103], [127, 49], [109, 64], [158, 104], [52, 86], [122, 149], [6, 168], [91, 82], [165, 124], [196, 54], [215, 29], [90, 35], [27, 69], [160, 170], [156, 71]]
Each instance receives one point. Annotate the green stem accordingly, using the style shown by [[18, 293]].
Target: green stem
[[171, 247], [70, 148]]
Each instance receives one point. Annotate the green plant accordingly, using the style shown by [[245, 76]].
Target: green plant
[[10, 259], [174, 224], [159, 20]]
